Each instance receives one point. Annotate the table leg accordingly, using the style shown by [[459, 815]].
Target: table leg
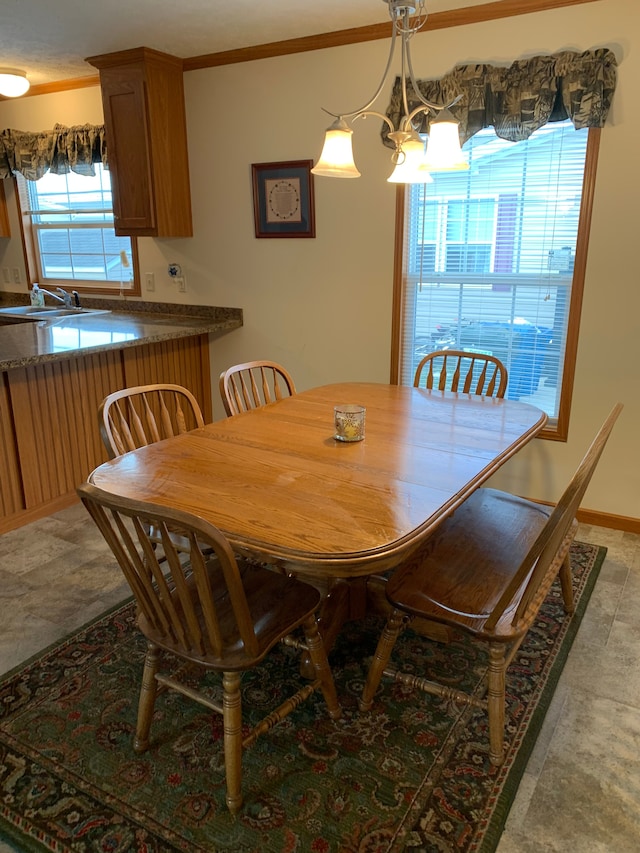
[[335, 610], [353, 599]]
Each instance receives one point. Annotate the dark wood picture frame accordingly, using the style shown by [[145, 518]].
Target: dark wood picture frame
[[283, 201]]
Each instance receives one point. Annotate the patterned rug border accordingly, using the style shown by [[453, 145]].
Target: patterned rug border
[[516, 770], [490, 830]]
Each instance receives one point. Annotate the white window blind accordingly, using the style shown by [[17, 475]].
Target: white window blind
[[489, 255], [71, 225]]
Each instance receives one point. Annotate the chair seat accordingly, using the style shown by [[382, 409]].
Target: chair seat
[[461, 573], [275, 601]]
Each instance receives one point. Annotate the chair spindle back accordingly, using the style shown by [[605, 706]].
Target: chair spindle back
[[138, 416], [248, 386], [466, 372], [167, 559]]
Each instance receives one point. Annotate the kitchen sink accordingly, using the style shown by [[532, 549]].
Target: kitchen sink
[[39, 312]]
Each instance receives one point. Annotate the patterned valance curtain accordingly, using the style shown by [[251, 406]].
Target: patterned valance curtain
[[518, 99], [61, 150]]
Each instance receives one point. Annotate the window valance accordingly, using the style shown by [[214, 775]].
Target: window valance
[[61, 150], [518, 99]]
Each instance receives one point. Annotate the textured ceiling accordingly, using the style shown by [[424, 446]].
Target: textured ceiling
[[50, 39]]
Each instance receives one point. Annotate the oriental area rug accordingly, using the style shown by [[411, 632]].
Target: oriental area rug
[[411, 775]]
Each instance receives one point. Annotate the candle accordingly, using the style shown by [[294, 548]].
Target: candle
[[349, 422]]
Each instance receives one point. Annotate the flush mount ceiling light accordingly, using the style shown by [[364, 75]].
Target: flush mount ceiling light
[[13, 82], [411, 162]]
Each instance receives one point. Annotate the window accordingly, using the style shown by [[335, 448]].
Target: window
[[69, 235], [493, 261]]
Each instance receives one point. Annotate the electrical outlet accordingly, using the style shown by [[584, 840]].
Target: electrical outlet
[[150, 281], [16, 275], [182, 284], [6, 275]]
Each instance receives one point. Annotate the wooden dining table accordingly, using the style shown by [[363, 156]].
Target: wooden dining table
[[286, 492]]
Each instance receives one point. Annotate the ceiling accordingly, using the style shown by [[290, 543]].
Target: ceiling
[[50, 40]]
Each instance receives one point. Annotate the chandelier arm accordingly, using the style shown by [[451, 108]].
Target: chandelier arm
[[366, 113], [424, 108], [430, 104], [372, 100]]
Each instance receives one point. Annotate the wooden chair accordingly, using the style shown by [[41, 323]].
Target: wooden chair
[[253, 384], [486, 571], [210, 609], [135, 417], [468, 372]]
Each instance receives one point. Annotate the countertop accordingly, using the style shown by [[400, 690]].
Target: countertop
[[126, 324]]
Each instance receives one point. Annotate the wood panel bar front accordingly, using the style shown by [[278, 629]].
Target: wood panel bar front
[[11, 500], [184, 362], [56, 405], [50, 441]]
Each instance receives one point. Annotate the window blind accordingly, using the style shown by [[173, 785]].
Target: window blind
[[489, 255]]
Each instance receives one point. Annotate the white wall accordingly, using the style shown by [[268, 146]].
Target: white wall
[[323, 306]]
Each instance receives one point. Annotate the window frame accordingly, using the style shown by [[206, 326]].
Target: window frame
[[559, 430], [32, 255]]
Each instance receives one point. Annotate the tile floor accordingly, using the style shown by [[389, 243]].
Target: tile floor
[[581, 789]]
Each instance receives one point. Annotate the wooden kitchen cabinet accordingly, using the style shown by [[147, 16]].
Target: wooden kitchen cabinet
[[144, 115]]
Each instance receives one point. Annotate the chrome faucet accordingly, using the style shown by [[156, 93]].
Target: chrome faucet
[[65, 298]]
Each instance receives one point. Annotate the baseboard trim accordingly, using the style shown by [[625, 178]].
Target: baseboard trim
[[13, 522], [605, 519]]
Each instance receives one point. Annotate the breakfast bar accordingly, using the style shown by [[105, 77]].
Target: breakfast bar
[[57, 368]]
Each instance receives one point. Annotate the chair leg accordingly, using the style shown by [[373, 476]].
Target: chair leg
[[566, 582], [392, 630], [148, 692], [496, 701], [320, 663], [232, 717]]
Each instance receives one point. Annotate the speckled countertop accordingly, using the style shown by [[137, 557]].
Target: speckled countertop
[[127, 324]]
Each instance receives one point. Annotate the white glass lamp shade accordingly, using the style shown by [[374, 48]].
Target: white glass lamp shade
[[13, 82], [443, 146], [336, 160], [411, 168]]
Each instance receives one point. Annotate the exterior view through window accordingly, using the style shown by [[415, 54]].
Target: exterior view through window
[[489, 259], [69, 227]]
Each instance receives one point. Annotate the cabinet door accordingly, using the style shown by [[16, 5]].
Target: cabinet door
[[143, 103], [126, 117]]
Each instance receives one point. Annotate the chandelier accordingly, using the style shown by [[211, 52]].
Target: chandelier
[[412, 161], [13, 82]]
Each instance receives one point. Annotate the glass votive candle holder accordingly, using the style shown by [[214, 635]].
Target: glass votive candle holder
[[349, 422]]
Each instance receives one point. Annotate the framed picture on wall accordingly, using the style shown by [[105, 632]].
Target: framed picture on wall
[[283, 204]]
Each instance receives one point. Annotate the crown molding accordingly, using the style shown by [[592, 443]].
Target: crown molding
[[437, 21]]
